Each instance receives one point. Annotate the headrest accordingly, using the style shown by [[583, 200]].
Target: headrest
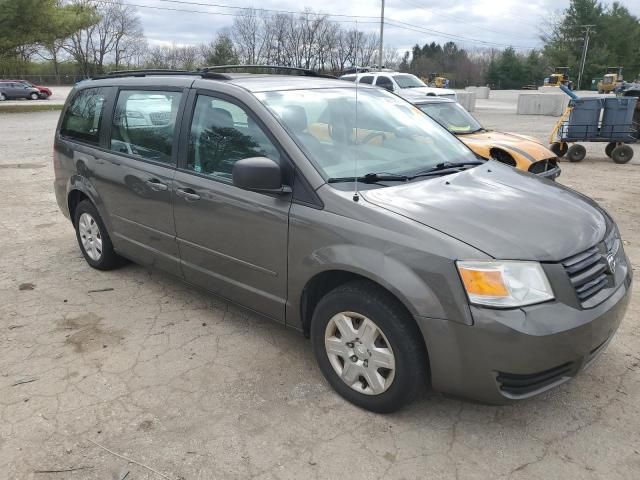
[[221, 118], [294, 117]]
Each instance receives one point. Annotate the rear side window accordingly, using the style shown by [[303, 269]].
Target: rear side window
[[144, 124], [367, 79], [84, 116]]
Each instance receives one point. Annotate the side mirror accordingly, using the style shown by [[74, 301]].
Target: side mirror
[[259, 174]]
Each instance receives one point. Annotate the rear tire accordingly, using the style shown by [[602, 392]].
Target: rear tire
[[576, 153], [93, 238], [622, 154], [356, 330], [559, 148], [3, 97]]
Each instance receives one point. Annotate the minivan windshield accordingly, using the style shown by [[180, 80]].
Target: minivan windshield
[[451, 116], [406, 80], [388, 136]]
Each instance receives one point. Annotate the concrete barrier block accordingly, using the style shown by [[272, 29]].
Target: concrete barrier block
[[467, 99], [483, 92], [549, 89], [542, 104]]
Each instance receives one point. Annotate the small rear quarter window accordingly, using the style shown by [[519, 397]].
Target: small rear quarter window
[[83, 118]]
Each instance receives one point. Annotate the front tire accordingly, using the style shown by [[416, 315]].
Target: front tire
[[609, 148], [368, 347], [576, 153], [93, 238], [34, 96], [559, 148]]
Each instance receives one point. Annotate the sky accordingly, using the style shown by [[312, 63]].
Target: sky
[[470, 23]]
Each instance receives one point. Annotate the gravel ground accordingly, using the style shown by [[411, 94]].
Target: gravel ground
[[195, 388]]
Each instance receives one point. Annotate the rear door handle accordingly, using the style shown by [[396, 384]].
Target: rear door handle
[[157, 185], [188, 194]]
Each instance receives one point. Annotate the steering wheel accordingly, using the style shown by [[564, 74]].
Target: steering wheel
[[373, 135]]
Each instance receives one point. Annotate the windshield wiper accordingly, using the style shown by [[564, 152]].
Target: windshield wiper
[[372, 178], [445, 167], [440, 168]]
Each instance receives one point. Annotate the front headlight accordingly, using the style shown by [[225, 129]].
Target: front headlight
[[505, 283]]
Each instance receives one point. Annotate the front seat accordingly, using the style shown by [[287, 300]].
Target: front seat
[[295, 119], [216, 126]]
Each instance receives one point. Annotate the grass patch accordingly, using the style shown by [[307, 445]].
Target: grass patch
[[30, 107]]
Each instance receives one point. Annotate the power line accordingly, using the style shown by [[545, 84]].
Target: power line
[[402, 25], [417, 28], [260, 9], [457, 19], [439, 13]]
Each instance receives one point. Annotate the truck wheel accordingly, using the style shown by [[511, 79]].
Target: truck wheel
[[576, 153], [609, 148], [559, 148], [622, 154], [368, 347]]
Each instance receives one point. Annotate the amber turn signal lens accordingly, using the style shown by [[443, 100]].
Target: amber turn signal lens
[[484, 282]]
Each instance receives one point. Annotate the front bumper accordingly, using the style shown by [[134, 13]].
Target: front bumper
[[551, 174], [514, 354]]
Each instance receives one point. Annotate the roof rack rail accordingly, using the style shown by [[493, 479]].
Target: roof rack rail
[[273, 68], [160, 72]]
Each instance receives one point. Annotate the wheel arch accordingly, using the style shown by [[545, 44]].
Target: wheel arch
[[324, 281], [79, 189]]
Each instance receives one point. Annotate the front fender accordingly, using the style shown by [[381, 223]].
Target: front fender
[[380, 268], [413, 262]]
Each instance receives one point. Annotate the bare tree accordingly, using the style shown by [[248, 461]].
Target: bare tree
[[114, 38]]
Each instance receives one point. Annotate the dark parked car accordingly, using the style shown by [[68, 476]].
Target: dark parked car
[[16, 90], [44, 91], [404, 257]]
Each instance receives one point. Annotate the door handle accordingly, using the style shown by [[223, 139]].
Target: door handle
[[157, 185], [188, 194]]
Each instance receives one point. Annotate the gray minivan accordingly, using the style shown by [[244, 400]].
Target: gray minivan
[[346, 213]]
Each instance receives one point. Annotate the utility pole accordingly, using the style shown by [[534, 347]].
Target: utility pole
[[584, 52], [381, 37]]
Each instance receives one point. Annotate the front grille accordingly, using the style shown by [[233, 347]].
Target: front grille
[[588, 273], [517, 384], [542, 166]]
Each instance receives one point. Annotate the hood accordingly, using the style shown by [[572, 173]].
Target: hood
[[528, 147], [506, 213]]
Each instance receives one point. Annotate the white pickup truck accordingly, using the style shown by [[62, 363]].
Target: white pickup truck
[[405, 85]]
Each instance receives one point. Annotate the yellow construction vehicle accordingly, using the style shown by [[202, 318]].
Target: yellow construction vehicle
[[560, 76], [437, 80], [611, 80]]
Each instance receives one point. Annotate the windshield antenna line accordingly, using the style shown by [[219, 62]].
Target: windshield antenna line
[[356, 195]]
